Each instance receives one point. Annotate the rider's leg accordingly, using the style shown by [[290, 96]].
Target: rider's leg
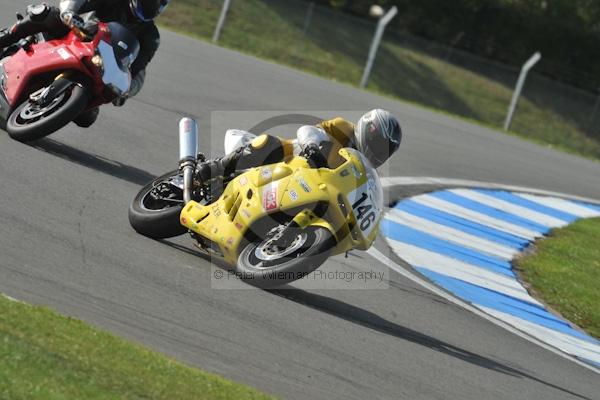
[[87, 118], [42, 18], [263, 150]]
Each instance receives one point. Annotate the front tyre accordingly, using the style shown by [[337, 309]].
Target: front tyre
[[265, 265], [32, 121], [154, 212]]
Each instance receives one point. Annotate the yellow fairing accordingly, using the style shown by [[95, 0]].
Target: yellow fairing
[[311, 197]]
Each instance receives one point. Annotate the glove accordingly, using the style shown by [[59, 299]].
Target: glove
[[119, 101], [72, 20], [314, 155]]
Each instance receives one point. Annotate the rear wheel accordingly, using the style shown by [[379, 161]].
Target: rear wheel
[[154, 212], [266, 265], [31, 120]]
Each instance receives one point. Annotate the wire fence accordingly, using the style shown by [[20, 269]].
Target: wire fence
[[335, 45]]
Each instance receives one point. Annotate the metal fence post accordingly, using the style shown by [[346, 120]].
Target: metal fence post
[[308, 18], [519, 87], [383, 21], [221, 21], [593, 117]]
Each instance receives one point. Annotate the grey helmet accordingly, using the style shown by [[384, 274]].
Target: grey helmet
[[378, 136]]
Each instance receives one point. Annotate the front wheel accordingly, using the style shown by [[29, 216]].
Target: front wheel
[[266, 265], [154, 212], [32, 121]]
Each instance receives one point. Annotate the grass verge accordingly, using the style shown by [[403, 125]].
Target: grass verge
[[335, 46], [44, 355], [564, 271]]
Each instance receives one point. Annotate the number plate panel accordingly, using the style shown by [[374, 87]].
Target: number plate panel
[[365, 207]]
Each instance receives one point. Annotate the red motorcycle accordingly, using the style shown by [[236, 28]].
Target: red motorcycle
[[45, 84]]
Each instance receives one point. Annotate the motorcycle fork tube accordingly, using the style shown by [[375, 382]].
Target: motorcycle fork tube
[[60, 84]]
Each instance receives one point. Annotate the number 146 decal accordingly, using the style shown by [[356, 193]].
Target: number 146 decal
[[364, 208]]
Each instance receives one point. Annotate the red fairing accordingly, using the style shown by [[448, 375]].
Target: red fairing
[[55, 55]]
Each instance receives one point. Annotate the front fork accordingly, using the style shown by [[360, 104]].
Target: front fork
[[46, 95], [302, 220]]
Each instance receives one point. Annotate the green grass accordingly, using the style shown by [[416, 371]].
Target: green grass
[[564, 271], [335, 47], [44, 355]]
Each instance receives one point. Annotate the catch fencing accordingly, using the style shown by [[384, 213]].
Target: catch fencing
[[334, 44]]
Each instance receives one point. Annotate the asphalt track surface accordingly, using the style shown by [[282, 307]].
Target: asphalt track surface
[[65, 242]]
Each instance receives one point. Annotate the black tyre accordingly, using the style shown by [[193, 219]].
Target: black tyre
[[30, 121], [268, 267], [154, 212]]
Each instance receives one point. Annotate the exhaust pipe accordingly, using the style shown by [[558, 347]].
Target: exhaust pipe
[[188, 151]]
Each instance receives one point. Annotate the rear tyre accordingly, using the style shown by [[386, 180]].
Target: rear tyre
[[266, 266], [30, 121], [154, 212]]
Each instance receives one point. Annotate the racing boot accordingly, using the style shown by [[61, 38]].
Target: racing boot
[[87, 118], [218, 167], [211, 169]]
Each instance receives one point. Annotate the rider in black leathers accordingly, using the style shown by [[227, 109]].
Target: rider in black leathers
[[136, 15]]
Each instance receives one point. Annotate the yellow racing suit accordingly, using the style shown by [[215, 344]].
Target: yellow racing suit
[[323, 140], [268, 149]]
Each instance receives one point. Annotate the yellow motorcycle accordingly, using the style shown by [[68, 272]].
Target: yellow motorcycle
[[273, 224]]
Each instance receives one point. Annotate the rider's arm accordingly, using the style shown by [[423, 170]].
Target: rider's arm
[[340, 130], [341, 134], [267, 149], [263, 150]]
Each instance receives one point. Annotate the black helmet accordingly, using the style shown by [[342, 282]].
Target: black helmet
[[147, 10], [378, 136]]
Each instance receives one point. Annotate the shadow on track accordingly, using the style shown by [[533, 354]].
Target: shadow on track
[[370, 320], [95, 162], [216, 261], [373, 321]]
